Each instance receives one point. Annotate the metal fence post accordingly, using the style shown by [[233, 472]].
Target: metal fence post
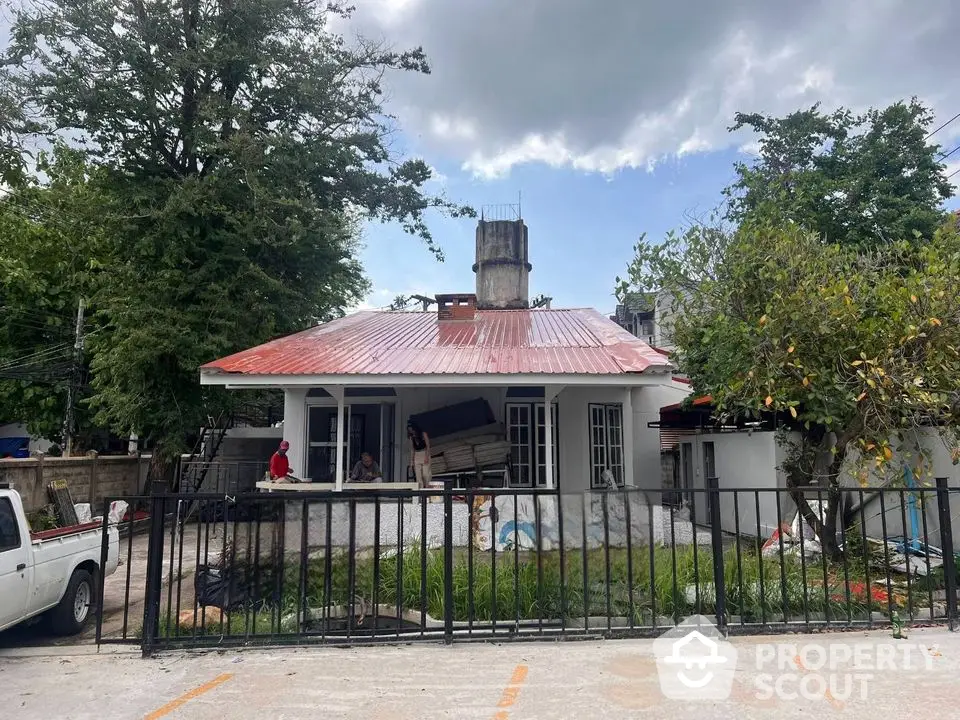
[[716, 536], [101, 575], [151, 604], [448, 566], [946, 545]]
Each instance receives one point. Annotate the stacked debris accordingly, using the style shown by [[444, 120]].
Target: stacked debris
[[476, 448]]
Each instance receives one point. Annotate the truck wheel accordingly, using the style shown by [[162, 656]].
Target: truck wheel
[[72, 614]]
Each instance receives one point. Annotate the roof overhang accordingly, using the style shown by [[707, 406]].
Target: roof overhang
[[239, 380]]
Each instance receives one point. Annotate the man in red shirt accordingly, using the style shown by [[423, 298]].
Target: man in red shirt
[[280, 463]]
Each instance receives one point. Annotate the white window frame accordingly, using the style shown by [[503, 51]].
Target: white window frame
[[533, 461], [606, 442], [540, 459]]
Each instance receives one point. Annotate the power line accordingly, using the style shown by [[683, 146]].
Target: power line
[[35, 357], [944, 156], [953, 173], [934, 132]]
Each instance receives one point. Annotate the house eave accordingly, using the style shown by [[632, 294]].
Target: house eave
[[653, 376]]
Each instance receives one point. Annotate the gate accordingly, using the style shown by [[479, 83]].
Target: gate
[[357, 567]]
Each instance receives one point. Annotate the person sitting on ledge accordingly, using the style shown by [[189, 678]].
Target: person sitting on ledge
[[280, 463], [366, 470]]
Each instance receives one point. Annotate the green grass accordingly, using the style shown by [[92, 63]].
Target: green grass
[[517, 588]]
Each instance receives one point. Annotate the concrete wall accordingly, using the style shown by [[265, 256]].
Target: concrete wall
[[90, 479], [742, 461], [893, 515]]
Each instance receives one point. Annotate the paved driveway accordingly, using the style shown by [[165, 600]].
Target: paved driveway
[[612, 679]]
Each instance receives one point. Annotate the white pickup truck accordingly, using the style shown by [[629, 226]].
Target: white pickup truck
[[55, 572]]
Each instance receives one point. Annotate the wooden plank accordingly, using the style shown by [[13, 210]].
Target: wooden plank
[[62, 501]]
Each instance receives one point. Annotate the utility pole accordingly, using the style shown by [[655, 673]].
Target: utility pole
[[72, 388]]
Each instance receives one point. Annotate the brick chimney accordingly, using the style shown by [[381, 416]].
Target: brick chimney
[[457, 306]]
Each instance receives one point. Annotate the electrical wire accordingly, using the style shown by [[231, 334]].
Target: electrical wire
[[944, 156], [33, 358], [934, 132]]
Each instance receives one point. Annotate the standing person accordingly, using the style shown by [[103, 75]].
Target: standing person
[[420, 455], [280, 463]]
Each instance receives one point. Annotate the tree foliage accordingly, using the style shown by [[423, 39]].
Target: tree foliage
[[49, 245], [825, 297], [851, 348], [238, 146], [864, 179]]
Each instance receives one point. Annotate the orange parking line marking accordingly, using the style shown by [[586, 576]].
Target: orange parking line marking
[[186, 697], [511, 692], [828, 696]]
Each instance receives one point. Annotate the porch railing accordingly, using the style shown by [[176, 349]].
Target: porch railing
[[399, 566]]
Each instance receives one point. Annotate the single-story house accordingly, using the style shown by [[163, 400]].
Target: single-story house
[[351, 385]]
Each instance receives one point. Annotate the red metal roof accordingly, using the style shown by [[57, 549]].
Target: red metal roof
[[417, 343]]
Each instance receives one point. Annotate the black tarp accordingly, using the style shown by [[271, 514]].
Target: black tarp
[[455, 418]]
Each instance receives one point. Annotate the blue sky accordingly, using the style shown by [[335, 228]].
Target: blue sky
[[611, 118], [582, 227]]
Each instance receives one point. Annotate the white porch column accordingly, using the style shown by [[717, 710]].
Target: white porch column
[[338, 394], [549, 393], [629, 438], [295, 429]]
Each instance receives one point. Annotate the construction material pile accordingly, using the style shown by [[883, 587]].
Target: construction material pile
[[476, 448]]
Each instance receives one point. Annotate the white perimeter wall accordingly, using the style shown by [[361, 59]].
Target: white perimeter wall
[[752, 460]]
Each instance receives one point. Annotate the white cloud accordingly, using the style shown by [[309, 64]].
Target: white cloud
[[437, 177], [567, 84]]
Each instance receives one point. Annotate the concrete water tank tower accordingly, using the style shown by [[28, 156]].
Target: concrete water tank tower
[[502, 266]]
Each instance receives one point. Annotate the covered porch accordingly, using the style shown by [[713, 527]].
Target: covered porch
[[482, 434]]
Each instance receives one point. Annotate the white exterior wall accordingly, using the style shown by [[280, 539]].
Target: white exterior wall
[[753, 460], [747, 460], [574, 433], [647, 402], [890, 517], [742, 460]]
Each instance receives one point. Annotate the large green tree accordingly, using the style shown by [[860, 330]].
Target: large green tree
[[824, 294], [851, 348], [241, 143], [856, 179]]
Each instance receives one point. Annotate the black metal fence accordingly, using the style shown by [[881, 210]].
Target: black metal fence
[[360, 566]]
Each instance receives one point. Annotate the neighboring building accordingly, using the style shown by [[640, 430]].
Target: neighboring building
[[350, 385], [746, 456], [16, 441], [647, 316]]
